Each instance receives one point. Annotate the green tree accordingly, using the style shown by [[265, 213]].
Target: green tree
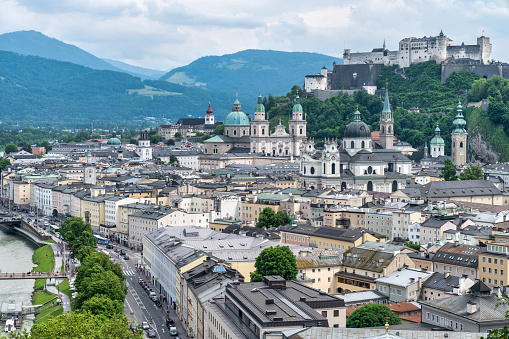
[[178, 135], [154, 137], [371, 315], [448, 172], [79, 325], [278, 260], [266, 218], [4, 162], [102, 305], [472, 173], [11, 148], [219, 130], [174, 161], [281, 218], [97, 262], [46, 145], [100, 283], [413, 245]]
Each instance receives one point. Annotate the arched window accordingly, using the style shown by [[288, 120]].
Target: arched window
[[461, 144], [333, 169], [363, 144], [227, 132], [304, 169], [244, 132], [263, 131], [370, 170], [390, 128], [312, 170], [324, 171], [383, 129], [301, 131], [234, 132], [352, 145]]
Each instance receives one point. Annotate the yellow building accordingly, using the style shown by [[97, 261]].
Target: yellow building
[[251, 210], [93, 211], [328, 237], [21, 192], [318, 271], [494, 263]]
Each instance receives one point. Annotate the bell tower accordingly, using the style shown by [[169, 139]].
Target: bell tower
[[459, 139], [386, 123], [260, 129], [297, 126]]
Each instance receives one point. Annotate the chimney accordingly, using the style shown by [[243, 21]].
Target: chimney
[[456, 243], [471, 307], [462, 286], [446, 275]]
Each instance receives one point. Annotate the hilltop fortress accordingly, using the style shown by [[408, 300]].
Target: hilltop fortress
[[362, 69], [415, 50]]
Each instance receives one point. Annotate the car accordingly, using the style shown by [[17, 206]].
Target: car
[[144, 325], [109, 246], [173, 331], [151, 333], [116, 250], [126, 257], [122, 252], [140, 280], [169, 321], [134, 327]]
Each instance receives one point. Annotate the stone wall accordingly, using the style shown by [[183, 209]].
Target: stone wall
[[484, 71], [351, 77]]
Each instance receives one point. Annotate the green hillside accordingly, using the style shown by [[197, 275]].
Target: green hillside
[[37, 91], [247, 72]]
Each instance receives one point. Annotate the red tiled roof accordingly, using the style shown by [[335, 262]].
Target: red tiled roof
[[403, 307], [416, 318]]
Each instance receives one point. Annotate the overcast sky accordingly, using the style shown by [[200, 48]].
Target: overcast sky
[[163, 34]]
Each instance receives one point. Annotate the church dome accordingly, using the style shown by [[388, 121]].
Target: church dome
[[297, 107], [113, 142], [357, 128], [437, 139], [236, 117]]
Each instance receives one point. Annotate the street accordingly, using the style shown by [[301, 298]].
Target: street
[[138, 307]]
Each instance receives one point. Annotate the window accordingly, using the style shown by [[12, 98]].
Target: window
[[501, 272], [495, 261], [489, 260], [484, 270], [483, 259], [324, 314]]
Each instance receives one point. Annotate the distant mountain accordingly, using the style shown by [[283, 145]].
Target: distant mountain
[[143, 72], [41, 92], [247, 72], [38, 44]]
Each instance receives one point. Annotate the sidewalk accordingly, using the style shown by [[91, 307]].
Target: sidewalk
[[66, 303]]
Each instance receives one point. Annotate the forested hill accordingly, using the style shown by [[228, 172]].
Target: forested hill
[[247, 72], [37, 44], [419, 87], [37, 91]]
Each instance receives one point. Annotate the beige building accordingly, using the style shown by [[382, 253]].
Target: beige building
[[21, 192], [494, 264], [317, 271]]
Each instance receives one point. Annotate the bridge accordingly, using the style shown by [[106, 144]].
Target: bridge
[[24, 229], [32, 275]]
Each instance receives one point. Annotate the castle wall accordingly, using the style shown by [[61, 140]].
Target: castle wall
[[312, 82], [349, 77], [484, 71]]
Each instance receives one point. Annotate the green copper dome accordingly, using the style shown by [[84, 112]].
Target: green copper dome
[[297, 107], [437, 139], [236, 117], [459, 122], [114, 142], [259, 106]]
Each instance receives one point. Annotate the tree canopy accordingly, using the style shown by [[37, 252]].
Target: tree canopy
[[78, 234], [371, 315], [79, 325], [278, 260], [11, 148], [268, 218], [472, 173], [448, 172]]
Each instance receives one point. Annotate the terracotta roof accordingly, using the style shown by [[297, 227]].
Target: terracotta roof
[[416, 318], [403, 307]]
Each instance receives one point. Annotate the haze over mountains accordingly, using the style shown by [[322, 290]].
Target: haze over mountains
[[31, 94]]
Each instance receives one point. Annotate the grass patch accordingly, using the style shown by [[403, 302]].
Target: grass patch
[[58, 309], [64, 288], [45, 260], [41, 297], [51, 241]]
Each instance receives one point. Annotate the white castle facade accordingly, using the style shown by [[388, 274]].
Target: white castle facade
[[415, 50]]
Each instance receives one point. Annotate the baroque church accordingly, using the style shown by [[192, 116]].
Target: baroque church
[[244, 136], [355, 163]]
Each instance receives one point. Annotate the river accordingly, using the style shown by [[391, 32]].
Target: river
[[16, 256]]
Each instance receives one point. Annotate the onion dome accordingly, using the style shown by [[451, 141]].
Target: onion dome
[[459, 121], [209, 110], [259, 106], [297, 107], [357, 128], [437, 139], [236, 117]]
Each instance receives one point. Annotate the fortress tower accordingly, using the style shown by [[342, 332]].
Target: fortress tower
[[386, 124], [459, 139]]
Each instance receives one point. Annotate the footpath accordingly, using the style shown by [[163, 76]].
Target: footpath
[[51, 286]]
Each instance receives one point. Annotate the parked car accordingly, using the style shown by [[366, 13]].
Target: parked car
[[151, 333], [169, 321], [173, 331], [144, 325]]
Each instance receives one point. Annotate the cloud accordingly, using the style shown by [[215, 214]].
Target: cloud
[[165, 34]]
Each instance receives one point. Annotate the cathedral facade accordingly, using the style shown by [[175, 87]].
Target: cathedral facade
[[242, 135], [354, 163]]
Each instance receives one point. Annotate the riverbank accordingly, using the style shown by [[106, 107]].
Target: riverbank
[[44, 258]]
